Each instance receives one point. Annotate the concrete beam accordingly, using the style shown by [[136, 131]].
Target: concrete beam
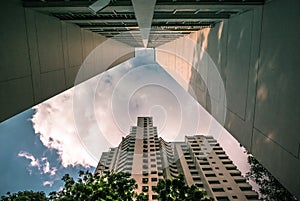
[[143, 10]]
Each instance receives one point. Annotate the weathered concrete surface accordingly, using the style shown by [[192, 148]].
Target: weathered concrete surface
[[257, 55]]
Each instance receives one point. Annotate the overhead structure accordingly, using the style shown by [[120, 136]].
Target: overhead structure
[[42, 52], [125, 20], [144, 10]]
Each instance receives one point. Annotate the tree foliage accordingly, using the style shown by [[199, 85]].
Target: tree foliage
[[25, 196], [176, 190], [111, 187], [92, 187], [270, 188]]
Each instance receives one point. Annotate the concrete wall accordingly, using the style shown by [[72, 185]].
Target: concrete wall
[[257, 56], [40, 56], [276, 132]]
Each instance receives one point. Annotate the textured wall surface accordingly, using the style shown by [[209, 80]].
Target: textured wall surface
[[257, 56], [40, 57]]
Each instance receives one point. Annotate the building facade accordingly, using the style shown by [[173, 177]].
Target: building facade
[[199, 158]]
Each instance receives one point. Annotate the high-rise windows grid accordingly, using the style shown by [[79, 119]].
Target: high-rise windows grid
[[159, 159]]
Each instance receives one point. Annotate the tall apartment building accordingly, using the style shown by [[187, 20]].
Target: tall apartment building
[[199, 158]]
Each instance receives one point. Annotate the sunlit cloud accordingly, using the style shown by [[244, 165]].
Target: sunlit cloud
[[42, 164], [86, 120], [34, 162], [48, 183], [47, 169], [54, 122]]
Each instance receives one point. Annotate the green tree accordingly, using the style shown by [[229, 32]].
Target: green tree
[[176, 190], [25, 196], [92, 187], [111, 187], [270, 188]]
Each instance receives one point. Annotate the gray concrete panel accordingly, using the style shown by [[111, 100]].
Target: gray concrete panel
[[278, 161], [52, 83], [14, 56], [45, 51], [71, 74], [240, 123], [238, 62], [49, 40], [88, 42], [15, 95], [74, 45], [277, 100]]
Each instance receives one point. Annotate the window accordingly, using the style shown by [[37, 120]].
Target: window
[[210, 175], [234, 197], [154, 197], [145, 188], [145, 180], [229, 188], [192, 167], [194, 173], [252, 197], [227, 162], [235, 174], [230, 168], [207, 169], [225, 181], [246, 188], [238, 181], [217, 189], [154, 179], [196, 178], [222, 198], [213, 182]]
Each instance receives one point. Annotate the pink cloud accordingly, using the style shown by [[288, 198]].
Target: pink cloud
[[34, 162], [49, 183]]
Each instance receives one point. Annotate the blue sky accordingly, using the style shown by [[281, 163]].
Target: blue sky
[[70, 131], [17, 137]]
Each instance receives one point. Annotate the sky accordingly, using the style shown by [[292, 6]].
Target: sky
[[70, 131]]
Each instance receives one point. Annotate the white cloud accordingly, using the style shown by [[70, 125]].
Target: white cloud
[[42, 164], [49, 183], [86, 120], [54, 122], [34, 162]]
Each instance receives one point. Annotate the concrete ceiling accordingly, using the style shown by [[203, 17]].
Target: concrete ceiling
[[171, 18]]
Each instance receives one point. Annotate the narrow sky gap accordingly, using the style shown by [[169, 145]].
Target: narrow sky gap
[[129, 90]]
